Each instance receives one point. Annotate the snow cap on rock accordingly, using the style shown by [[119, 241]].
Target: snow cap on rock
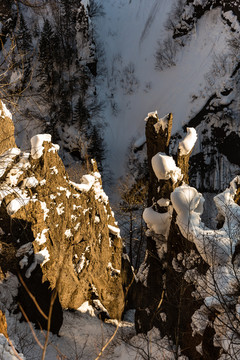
[[37, 144], [165, 167], [186, 146]]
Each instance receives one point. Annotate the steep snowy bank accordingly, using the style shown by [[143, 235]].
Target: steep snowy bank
[[129, 33]]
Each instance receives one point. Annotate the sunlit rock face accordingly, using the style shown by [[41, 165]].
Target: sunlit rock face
[[63, 236], [7, 139]]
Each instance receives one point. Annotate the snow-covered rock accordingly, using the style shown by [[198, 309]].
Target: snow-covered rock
[[37, 144], [49, 222], [165, 168], [186, 146], [157, 222], [215, 246]]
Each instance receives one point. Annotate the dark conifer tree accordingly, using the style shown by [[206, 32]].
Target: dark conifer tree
[[96, 148], [81, 113], [47, 52], [64, 110], [23, 38], [24, 52]]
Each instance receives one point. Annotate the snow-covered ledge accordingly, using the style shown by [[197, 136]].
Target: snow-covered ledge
[[216, 247]]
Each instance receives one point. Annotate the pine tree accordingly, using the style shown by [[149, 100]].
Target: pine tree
[[81, 113], [23, 38], [47, 52], [24, 52], [64, 110], [67, 30], [96, 148]]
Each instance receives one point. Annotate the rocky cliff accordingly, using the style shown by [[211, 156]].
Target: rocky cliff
[[58, 237], [188, 283], [214, 162], [48, 69]]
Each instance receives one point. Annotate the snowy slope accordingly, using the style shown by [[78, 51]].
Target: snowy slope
[[129, 32], [83, 336]]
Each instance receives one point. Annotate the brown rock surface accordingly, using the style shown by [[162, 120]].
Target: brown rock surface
[[7, 139], [165, 300], [63, 235], [3, 324]]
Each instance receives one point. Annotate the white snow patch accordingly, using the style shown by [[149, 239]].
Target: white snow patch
[[100, 195], [114, 230], [55, 148], [45, 209], [23, 262], [5, 111], [163, 202], [157, 222], [7, 158], [87, 182], [54, 170], [68, 233], [81, 263], [7, 352], [97, 219], [68, 193], [86, 308], [39, 258], [114, 271], [186, 146], [42, 256], [17, 203], [165, 168], [153, 114], [60, 209], [41, 237], [77, 226], [140, 142], [30, 182], [99, 306], [42, 182], [215, 246], [26, 248], [37, 144], [162, 123]]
